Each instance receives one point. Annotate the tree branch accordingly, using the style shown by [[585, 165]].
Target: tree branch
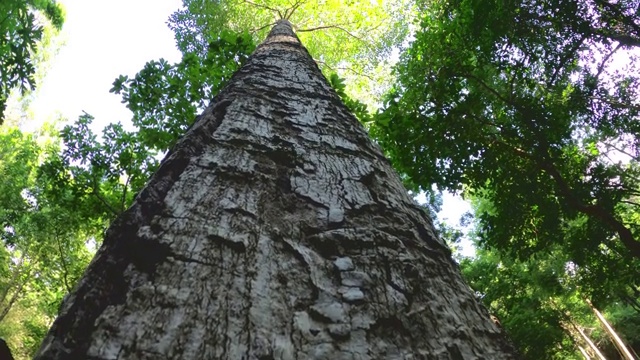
[[13, 300], [339, 27], [102, 200], [630, 202], [287, 14], [606, 58], [624, 39], [65, 270], [16, 293], [265, 7], [344, 68], [262, 27], [566, 58], [609, 145], [14, 279], [487, 87], [616, 104], [124, 193], [595, 211]]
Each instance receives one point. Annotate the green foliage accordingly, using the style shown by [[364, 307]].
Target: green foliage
[[500, 98], [24, 328], [496, 98], [20, 32], [356, 107], [346, 37], [165, 98], [42, 241], [531, 108], [540, 303], [57, 201], [521, 295], [625, 321], [331, 30], [97, 178]]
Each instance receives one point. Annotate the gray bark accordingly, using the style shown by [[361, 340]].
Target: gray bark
[[275, 229]]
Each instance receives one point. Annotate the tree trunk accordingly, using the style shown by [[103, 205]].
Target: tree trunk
[[5, 352], [275, 229]]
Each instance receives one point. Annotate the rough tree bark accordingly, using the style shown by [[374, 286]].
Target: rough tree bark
[[275, 229]]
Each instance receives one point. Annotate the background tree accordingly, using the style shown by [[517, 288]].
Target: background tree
[[519, 103], [541, 305], [42, 250], [165, 98], [20, 32], [493, 96], [82, 185], [532, 107]]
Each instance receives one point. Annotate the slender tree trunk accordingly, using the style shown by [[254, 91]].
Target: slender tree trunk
[[18, 280], [591, 344], [615, 339], [275, 229]]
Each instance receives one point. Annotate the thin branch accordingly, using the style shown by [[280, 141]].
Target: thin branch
[[301, 22], [630, 202], [13, 300], [517, 151], [5, 18], [632, 302], [634, 157], [487, 87], [14, 279], [16, 293], [529, 121], [124, 193], [9, 13], [629, 191], [65, 270], [287, 14], [265, 7], [606, 58], [625, 19], [262, 27], [594, 210], [566, 58], [607, 156], [616, 104], [344, 68], [339, 27], [102, 200]]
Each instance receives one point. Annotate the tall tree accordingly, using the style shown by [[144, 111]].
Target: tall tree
[[521, 102], [274, 229], [42, 238]]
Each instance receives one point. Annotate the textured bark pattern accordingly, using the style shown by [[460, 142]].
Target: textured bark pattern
[[274, 230]]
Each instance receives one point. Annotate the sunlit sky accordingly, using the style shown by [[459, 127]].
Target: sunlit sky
[[104, 39]]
